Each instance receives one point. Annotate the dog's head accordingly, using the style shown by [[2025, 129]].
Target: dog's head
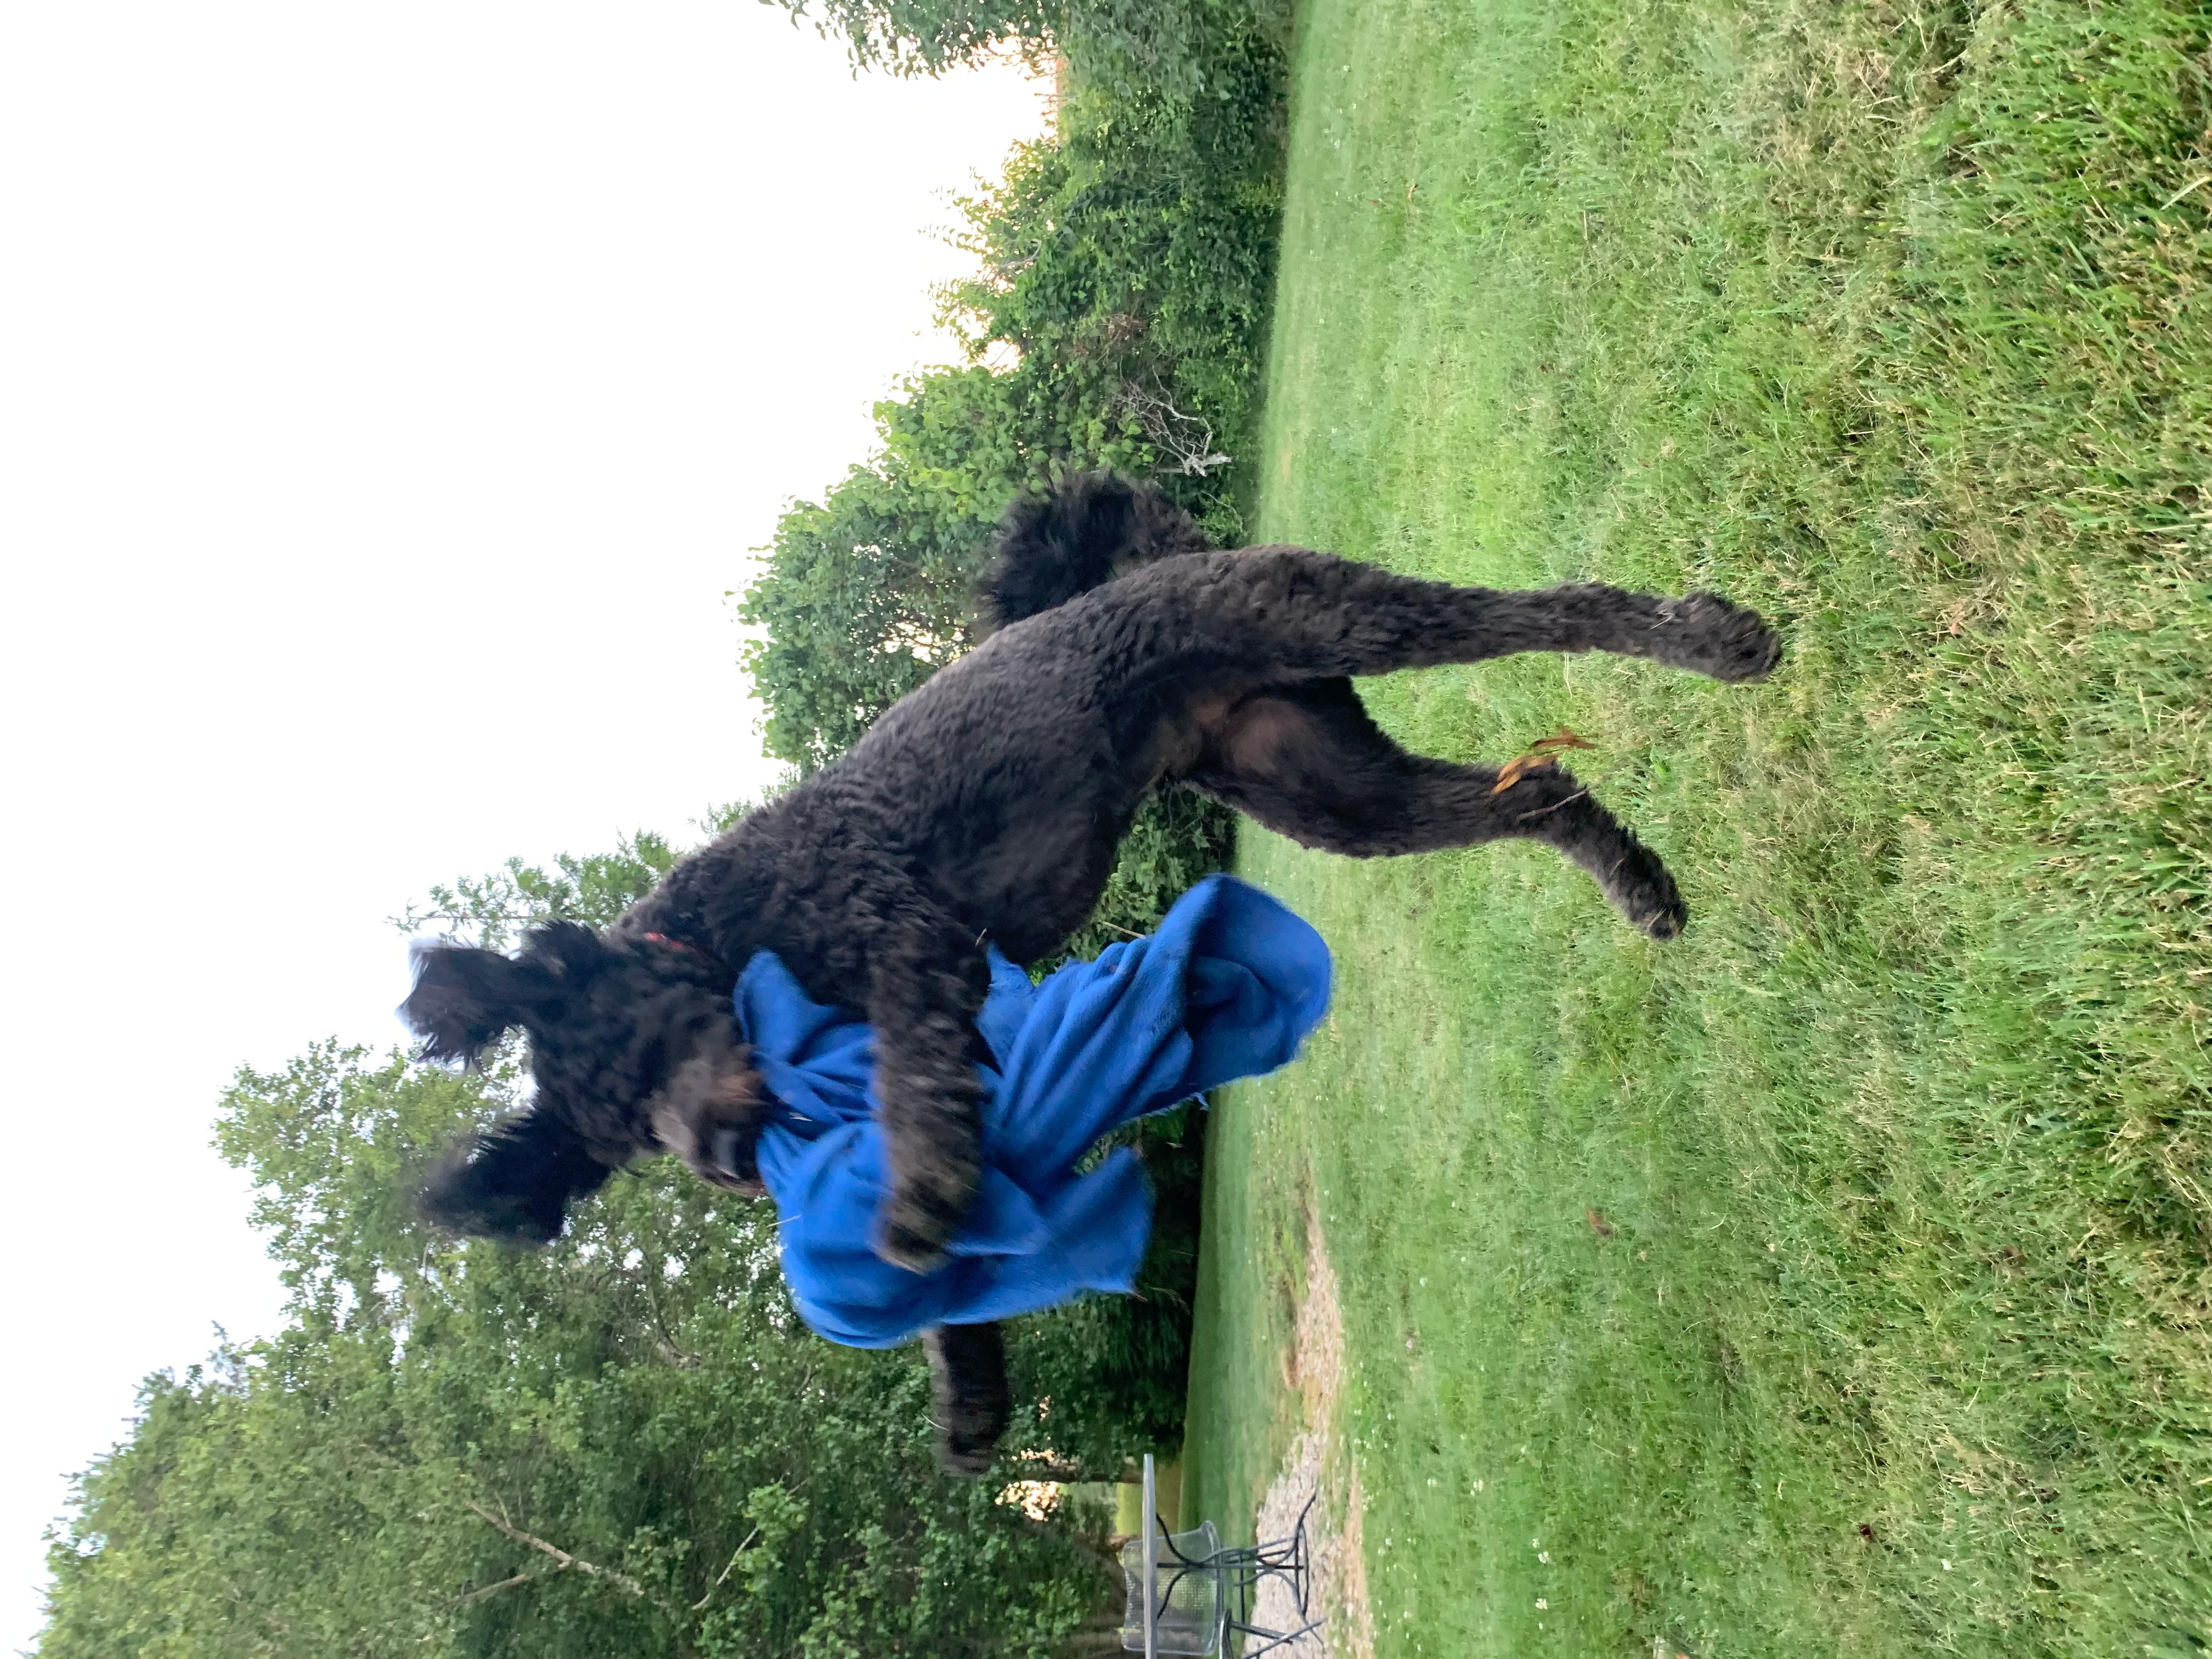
[[633, 1048]]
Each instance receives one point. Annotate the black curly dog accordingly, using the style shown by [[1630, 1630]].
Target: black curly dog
[[1123, 653]]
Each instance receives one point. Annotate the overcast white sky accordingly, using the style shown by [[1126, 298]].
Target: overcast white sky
[[388, 395]]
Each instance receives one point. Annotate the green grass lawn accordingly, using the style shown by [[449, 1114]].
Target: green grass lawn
[[1896, 322]]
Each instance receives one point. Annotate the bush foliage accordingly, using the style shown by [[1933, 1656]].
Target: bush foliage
[[1115, 320]]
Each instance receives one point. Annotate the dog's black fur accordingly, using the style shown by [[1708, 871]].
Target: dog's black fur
[[1120, 653]]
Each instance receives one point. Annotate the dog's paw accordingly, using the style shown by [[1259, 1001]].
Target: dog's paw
[[964, 1454], [1666, 921], [1643, 890], [1723, 639], [912, 1239], [922, 1217]]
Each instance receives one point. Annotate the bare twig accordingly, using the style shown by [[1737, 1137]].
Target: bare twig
[[699, 1606], [1579, 794], [1186, 439]]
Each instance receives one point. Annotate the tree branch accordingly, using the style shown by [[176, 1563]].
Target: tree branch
[[621, 1581], [670, 1350], [491, 1589]]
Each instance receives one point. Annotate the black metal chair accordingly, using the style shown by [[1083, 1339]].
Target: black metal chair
[[1189, 1593]]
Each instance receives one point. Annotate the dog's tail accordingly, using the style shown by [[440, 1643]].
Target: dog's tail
[[1086, 530]]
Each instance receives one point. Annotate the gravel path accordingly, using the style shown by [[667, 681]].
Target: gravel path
[[1318, 1461]]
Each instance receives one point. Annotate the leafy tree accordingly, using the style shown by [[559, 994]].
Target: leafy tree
[[621, 1443], [923, 37], [1157, 45], [492, 909], [867, 593]]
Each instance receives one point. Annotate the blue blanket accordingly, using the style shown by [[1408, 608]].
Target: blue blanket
[[1228, 987]]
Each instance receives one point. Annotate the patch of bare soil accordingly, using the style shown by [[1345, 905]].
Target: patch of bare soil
[[1319, 1462]]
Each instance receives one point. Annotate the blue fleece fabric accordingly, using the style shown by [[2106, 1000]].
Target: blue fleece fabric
[[1228, 987]]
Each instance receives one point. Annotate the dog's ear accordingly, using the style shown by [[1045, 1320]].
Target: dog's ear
[[514, 1182], [464, 997]]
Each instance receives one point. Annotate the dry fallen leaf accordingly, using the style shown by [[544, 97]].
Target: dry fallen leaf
[[1542, 753], [1598, 1223], [1515, 770], [1562, 739]]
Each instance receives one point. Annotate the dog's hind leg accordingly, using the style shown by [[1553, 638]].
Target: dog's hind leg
[[1291, 613], [1307, 762]]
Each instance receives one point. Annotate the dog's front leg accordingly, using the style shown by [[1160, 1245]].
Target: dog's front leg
[[969, 1400], [927, 980]]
